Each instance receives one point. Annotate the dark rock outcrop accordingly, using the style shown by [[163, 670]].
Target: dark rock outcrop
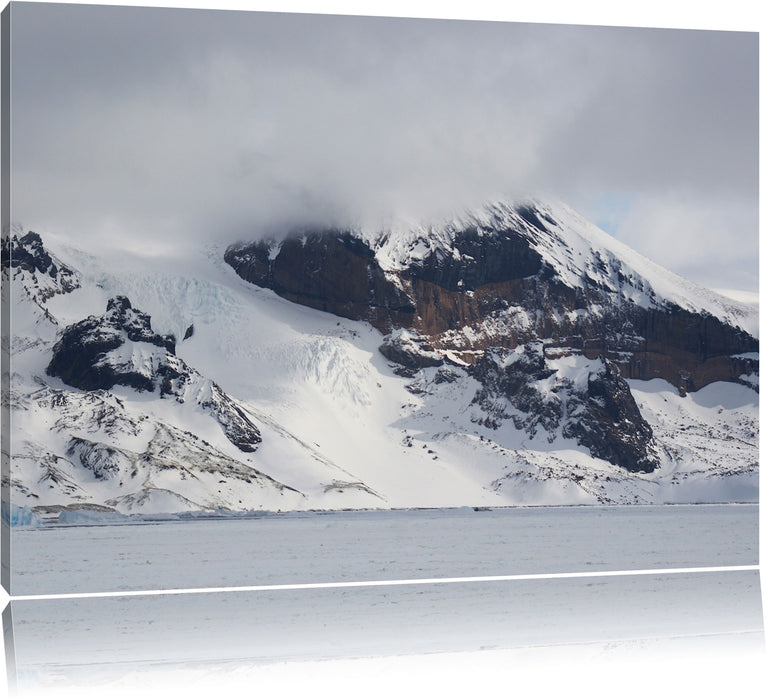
[[487, 286], [601, 415], [47, 275], [410, 351], [104, 461], [507, 374], [236, 425], [608, 422], [330, 270], [80, 356], [485, 256], [97, 354]]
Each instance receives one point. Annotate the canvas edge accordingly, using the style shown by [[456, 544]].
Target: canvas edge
[[5, 302]]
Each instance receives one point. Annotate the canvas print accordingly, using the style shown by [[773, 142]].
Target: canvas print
[[296, 299]]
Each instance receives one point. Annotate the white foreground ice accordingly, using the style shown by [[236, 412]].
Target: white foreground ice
[[301, 548]]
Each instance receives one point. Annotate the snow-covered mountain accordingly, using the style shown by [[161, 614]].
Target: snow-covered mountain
[[513, 355]]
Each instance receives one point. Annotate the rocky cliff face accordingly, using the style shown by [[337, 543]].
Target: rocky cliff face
[[85, 356], [503, 279], [605, 419], [121, 348], [328, 270], [595, 408], [527, 278]]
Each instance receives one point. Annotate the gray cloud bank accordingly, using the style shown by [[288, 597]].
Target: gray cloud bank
[[198, 125]]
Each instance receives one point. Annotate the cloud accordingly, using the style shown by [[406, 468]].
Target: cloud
[[198, 125], [695, 238]]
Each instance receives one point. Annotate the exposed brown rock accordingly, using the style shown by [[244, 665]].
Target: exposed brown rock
[[330, 271], [467, 303]]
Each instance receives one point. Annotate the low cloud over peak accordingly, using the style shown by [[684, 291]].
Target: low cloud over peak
[[204, 125]]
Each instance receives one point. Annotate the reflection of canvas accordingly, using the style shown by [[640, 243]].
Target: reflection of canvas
[[229, 636], [298, 299]]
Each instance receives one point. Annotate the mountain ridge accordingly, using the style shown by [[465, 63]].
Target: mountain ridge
[[405, 242], [512, 274], [360, 411]]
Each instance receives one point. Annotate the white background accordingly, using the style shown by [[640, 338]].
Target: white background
[[493, 673]]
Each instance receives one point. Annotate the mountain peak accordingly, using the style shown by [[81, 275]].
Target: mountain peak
[[577, 253], [506, 274]]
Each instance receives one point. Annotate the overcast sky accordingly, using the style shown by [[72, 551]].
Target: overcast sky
[[175, 125]]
